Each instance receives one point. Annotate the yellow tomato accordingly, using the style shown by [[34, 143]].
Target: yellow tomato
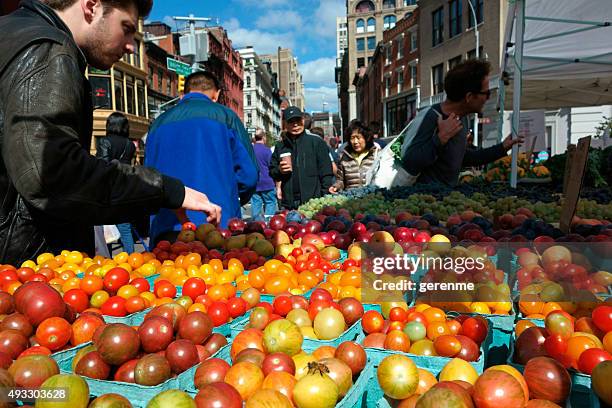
[[480, 307], [121, 257], [225, 277], [127, 291], [42, 258], [99, 298], [28, 264], [150, 296], [74, 257]]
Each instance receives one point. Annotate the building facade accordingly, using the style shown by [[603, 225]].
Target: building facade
[[388, 89], [162, 83], [329, 122], [341, 39], [122, 88], [366, 21], [261, 101], [288, 76]]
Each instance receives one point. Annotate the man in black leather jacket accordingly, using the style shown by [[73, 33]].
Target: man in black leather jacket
[[52, 191]]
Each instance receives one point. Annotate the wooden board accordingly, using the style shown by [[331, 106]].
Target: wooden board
[[574, 183], [571, 150]]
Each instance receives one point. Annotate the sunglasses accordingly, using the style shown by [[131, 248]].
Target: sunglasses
[[487, 93]]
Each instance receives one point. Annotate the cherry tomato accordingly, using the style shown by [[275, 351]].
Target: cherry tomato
[[602, 317], [116, 278], [475, 328], [266, 306], [320, 294], [54, 333], [219, 313], [189, 226], [78, 299], [204, 300], [37, 277], [8, 276], [114, 306], [165, 289], [316, 306], [282, 305], [35, 350], [416, 317], [141, 284], [397, 314], [590, 358], [236, 306], [194, 287], [25, 273], [372, 322], [297, 252]]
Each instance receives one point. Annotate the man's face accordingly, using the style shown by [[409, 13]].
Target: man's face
[[477, 100], [295, 126], [111, 35]]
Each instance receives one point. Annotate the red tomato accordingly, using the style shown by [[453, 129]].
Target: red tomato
[[237, 307], [314, 256], [53, 333], [396, 326], [590, 358], [219, 313], [189, 226], [141, 284], [320, 294], [114, 306], [25, 273], [78, 299], [8, 276], [35, 350], [397, 314], [194, 287], [602, 317], [475, 328], [165, 289], [297, 252], [282, 305], [316, 306], [204, 299], [37, 277], [417, 317], [372, 322], [116, 278], [159, 282]]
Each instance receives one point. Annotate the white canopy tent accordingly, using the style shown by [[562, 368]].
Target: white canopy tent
[[558, 53]]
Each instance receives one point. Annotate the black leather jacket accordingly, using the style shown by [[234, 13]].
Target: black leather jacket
[[52, 191], [115, 147]]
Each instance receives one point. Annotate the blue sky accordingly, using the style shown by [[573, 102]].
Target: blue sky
[[308, 27]]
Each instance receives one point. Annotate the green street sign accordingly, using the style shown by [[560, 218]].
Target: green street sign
[[177, 66]]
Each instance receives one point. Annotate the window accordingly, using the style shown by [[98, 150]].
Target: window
[[371, 25], [150, 75], [389, 22], [248, 81], [248, 100], [437, 26], [452, 63], [140, 94], [387, 85], [249, 118], [400, 48], [387, 4], [160, 79], [100, 92], [130, 94], [437, 79], [169, 85], [413, 76], [360, 26], [119, 91], [364, 7], [410, 3], [472, 54], [388, 54], [360, 62], [455, 17], [478, 9], [400, 81], [371, 43], [137, 53], [361, 44], [414, 41]]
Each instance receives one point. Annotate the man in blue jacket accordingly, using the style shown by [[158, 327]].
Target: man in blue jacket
[[205, 145]]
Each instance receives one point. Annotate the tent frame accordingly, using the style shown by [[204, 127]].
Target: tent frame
[[516, 15]]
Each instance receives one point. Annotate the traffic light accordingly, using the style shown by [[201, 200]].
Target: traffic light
[[181, 83]]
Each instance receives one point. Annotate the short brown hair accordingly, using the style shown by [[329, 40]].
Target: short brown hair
[[202, 81], [464, 78], [143, 6]]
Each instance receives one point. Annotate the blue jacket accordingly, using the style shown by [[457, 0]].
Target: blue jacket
[[205, 145]]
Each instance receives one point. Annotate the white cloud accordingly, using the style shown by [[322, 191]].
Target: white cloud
[[263, 42], [316, 96], [319, 71], [324, 19], [279, 19], [263, 3]]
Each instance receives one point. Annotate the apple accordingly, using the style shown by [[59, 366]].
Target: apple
[[373, 226], [403, 234], [357, 229], [268, 233], [277, 222], [313, 227], [359, 216], [422, 237], [336, 225], [402, 216], [382, 237], [364, 237], [255, 226], [330, 253], [327, 239], [342, 241], [333, 234], [236, 225], [308, 246], [452, 220]]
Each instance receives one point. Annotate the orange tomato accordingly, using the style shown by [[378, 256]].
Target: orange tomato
[[331, 288], [230, 290], [307, 279], [256, 279], [242, 285], [434, 314], [72, 283], [436, 329], [128, 291], [521, 326], [165, 289], [217, 292], [193, 258], [135, 304], [531, 307], [67, 274], [217, 265], [12, 287], [351, 278], [197, 307], [136, 260], [276, 285], [550, 307], [272, 266], [149, 296], [162, 301]]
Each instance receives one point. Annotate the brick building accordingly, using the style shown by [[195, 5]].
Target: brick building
[[388, 89]]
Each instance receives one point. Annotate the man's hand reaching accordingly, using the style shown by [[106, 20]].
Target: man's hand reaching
[[196, 201]]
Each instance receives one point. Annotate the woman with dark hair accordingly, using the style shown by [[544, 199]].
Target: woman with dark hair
[[356, 158], [118, 146]]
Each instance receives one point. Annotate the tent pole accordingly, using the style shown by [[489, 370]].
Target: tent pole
[[518, 85]]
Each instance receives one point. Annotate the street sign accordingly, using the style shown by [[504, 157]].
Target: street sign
[[177, 66]]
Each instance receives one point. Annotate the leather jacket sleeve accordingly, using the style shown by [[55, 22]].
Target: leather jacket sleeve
[[47, 161], [103, 150]]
